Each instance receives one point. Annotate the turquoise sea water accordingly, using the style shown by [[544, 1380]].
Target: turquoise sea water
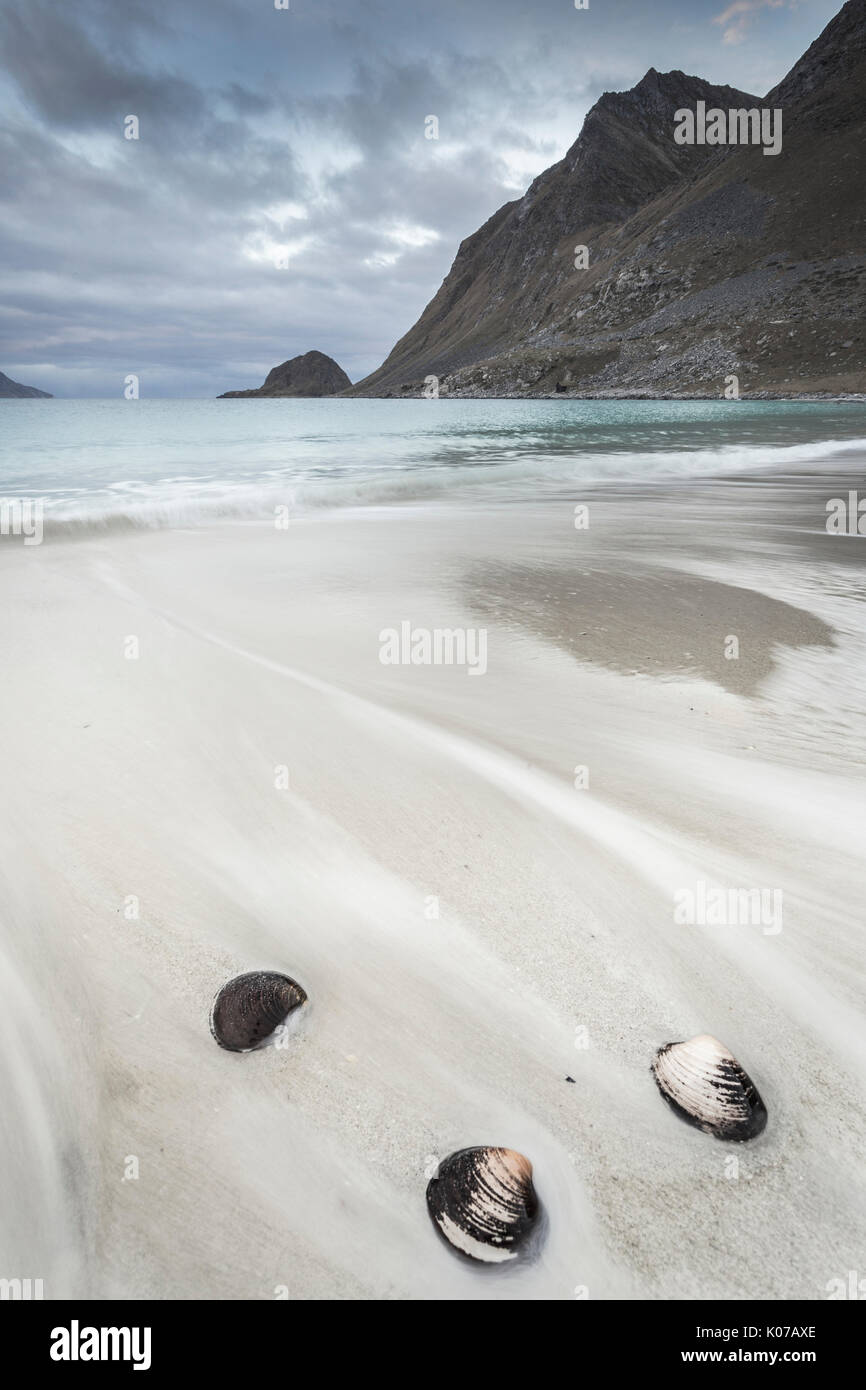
[[175, 462]]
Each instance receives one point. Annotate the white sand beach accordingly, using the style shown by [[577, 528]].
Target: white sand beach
[[415, 790]]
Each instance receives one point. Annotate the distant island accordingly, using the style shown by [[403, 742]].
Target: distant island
[[13, 390], [311, 374]]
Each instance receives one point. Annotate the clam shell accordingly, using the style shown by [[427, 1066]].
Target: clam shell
[[250, 1008], [482, 1201], [706, 1085]]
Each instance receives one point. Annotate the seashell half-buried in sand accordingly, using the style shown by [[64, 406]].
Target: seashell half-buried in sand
[[708, 1087], [483, 1202], [250, 1008]]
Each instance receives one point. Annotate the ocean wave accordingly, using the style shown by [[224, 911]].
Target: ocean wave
[[182, 502]]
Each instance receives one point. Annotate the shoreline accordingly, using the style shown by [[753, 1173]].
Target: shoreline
[[825, 398], [819, 397]]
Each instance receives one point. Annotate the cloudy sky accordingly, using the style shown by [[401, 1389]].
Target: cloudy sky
[[282, 194]]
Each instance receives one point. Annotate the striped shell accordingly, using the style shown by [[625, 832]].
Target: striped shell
[[708, 1087], [482, 1201], [250, 1008]]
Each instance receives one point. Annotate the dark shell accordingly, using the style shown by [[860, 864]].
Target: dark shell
[[482, 1201], [706, 1085], [250, 1008]]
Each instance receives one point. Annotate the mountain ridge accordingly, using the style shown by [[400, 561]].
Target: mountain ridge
[[695, 253]]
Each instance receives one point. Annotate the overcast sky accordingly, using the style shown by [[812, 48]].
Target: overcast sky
[[295, 135]]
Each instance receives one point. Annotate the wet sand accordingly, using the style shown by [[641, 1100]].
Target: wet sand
[[462, 916]]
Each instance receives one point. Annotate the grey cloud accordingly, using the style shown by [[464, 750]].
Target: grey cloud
[[69, 80]]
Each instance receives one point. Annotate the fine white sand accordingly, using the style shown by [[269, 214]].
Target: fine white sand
[[305, 1168]]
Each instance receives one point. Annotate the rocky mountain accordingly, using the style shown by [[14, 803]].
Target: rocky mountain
[[312, 374], [10, 390], [704, 261]]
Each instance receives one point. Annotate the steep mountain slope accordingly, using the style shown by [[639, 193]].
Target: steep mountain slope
[[13, 390], [704, 261], [311, 374]]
